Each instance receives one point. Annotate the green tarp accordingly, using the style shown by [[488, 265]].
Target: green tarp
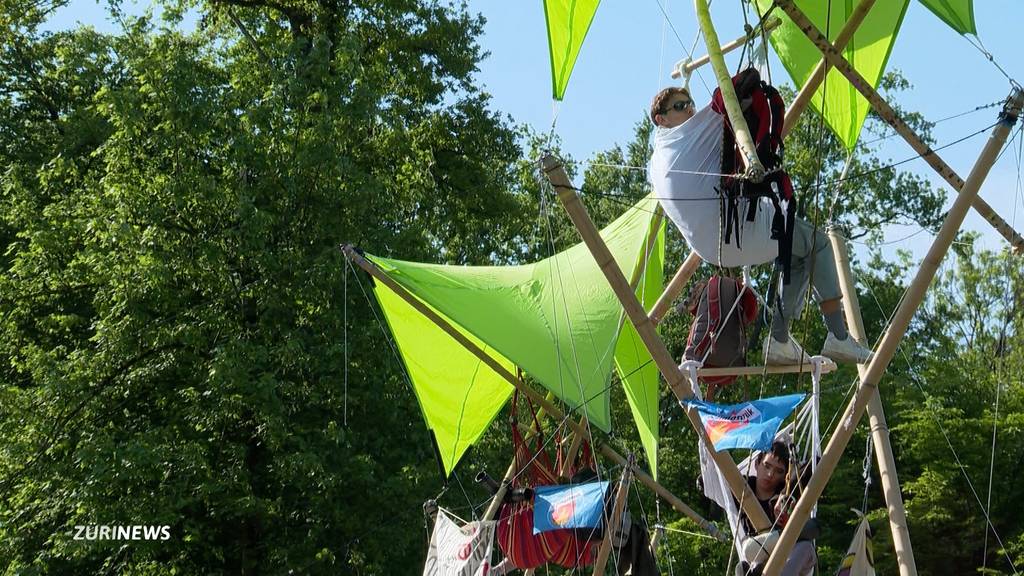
[[568, 22], [958, 14], [842, 106], [556, 319]]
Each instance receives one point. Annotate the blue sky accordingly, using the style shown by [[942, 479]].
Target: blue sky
[[632, 47]]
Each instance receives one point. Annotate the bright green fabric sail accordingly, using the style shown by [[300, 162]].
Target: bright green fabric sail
[[556, 319], [842, 106], [958, 14], [458, 394], [568, 22]]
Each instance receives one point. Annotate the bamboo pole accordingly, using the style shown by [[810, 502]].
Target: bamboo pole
[[886, 112], [499, 496], [876, 417], [754, 169], [826, 367], [529, 392], [616, 520], [803, 98], [574, 447], [686, 67], [675, 286], [897, 328], [645, 329]]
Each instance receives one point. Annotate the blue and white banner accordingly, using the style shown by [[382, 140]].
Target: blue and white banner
[[747, 425], [568, 506]]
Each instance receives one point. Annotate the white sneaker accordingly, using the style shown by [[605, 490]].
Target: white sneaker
[[786, 353], [848, 350]]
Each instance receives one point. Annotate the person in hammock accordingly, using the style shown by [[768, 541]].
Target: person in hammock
[[770, 488], [685, 173]]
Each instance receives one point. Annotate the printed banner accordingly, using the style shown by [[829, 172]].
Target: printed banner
[[568, 506], [456, 551], [860, 558], [746, 425]]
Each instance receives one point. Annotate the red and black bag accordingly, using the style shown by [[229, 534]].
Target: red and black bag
[[764, 112], [722, 309]]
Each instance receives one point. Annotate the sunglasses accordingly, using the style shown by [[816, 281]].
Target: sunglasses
[[680, 105]]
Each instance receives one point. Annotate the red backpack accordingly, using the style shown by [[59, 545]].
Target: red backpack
[[764, 112], [722, 308]]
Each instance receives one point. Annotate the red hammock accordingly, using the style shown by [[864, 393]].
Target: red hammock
[[567, 547]]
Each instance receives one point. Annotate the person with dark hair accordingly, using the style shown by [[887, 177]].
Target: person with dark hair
[[774, 469], [685, 173]]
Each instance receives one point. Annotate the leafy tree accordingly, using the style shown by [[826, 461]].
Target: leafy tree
[[173, 301]]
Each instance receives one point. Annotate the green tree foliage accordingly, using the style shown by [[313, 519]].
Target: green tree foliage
[[175, 312]]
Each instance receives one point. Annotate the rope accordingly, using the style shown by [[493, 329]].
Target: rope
[[811, 268], [866, 173], [344, 411], [644, 169], [387, 336], [1016, 138], [939, 121], [988, 56], [678, 531], [565, 309], [689, 53], [865, 472], [1000, 371]]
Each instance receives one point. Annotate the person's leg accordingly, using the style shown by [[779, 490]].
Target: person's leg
[[781, 348], [814, 264], [801, 560], [825, 279], [814, 252]]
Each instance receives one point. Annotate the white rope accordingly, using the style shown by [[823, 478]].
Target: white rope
[[689, 52], [1000, 371], [988, 56], [572, 341], [865, 471], [644, 169], [661, 51]]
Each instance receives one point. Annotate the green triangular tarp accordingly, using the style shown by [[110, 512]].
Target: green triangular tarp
[[568, 22], [556, 319], [457, 393], [958, 14], [842, 106]]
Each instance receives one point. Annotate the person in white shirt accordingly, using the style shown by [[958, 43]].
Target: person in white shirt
[[685, 173]]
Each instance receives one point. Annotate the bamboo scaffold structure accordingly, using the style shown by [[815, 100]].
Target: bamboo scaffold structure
[[867, 397], [897, 328]]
